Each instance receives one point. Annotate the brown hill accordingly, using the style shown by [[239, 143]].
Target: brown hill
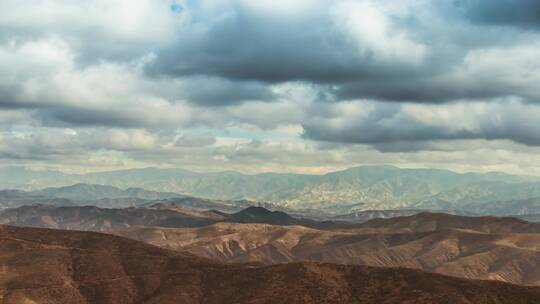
[[54, 266], [91, 218], [503, 249], [510, 257], [101, 219], [427, 221], [262, 215]]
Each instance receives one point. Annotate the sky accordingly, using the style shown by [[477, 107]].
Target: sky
[[305, 86]]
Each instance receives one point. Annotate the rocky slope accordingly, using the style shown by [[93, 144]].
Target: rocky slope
[[53, 266], [503, 249], [427, 221]]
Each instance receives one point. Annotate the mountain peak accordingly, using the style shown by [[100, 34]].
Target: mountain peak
[[261, 215], [429, 221]]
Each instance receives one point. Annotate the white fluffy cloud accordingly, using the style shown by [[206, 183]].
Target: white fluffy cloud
[[309, 85], [94, 29]]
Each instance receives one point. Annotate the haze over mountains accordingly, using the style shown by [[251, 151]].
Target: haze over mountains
[[78, 194], [355, 189], [112, 197]]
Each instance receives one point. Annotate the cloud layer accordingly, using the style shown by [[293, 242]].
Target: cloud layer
[[308, 85]]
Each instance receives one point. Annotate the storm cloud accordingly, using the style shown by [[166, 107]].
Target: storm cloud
[[269, 85], [319, 41], [519, 13], [427, 52], [382, 125]]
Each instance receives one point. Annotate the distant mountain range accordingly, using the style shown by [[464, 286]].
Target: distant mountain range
[[87, 192], [70, 195], [366, 215], [91, 218], [351, 190], [112, 197]]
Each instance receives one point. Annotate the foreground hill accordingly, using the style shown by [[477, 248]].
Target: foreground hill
[[504, 249], [53, 266]]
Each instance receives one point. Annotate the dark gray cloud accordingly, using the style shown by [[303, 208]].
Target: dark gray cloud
[[17, 156], [399, 76], [10, 97], [382, 124], [428, 89], [519, 13], [207, 91], [405, 59], [243, 43], [69, 116], [395, 127]]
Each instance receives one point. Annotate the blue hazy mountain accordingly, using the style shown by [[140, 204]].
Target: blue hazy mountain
[[354, 189]]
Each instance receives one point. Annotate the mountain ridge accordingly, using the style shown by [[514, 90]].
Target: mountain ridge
[[505, 249], [85, 267], [92, 218], [346, 191]]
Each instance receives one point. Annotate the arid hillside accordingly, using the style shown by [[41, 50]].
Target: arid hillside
[[427, 221], [504, 249], [55, 266]]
